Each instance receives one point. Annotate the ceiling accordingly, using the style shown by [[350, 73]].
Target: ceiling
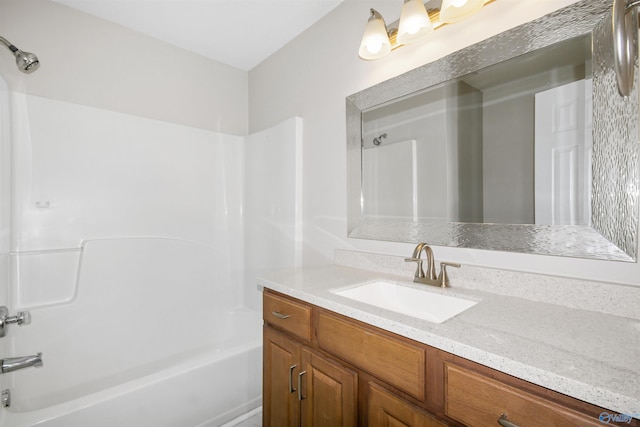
[[240, 33]]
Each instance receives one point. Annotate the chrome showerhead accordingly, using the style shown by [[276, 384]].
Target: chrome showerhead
[[27, 62]]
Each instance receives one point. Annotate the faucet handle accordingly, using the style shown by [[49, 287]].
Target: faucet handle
[[22, 318], [443, 278], [419, 270]]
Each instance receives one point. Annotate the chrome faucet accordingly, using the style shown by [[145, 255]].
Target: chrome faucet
[[22, 318], [14, 363], [429, 278]]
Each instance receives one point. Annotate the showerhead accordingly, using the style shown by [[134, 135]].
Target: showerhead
[[27, 62]]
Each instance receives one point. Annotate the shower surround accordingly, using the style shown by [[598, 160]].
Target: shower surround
[[127, 247]]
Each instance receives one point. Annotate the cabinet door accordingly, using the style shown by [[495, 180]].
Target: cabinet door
[[329, 392], [280, 372], [386, 410]]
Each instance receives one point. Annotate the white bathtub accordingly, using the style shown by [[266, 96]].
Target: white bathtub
[[206, 388], [152, 335]]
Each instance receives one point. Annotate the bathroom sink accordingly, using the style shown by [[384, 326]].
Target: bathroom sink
[[414, 302]]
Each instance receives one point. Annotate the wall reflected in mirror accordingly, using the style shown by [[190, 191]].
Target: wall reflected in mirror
[[507, 144]]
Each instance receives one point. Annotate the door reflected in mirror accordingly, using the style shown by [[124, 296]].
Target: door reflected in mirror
[[507, 144]]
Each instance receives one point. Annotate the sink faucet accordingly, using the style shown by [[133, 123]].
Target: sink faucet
[[429, 278], [431, 270]]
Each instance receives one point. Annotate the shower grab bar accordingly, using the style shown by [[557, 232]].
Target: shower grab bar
[[22, 318]]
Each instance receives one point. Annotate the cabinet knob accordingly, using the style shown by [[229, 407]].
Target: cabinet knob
[[504, 422]]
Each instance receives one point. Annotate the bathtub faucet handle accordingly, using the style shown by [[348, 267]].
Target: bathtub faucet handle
[[22, 318]]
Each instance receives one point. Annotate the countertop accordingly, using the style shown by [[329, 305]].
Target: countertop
[[590, 356]]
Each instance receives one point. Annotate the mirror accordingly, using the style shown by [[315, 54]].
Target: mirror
[[491, 144], [518, 143]]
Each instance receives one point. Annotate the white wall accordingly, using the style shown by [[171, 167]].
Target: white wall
[[89, 61], [310, 78]]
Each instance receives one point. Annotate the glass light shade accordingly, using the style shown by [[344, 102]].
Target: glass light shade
[[458, 10], [414, 22], [375, 40]]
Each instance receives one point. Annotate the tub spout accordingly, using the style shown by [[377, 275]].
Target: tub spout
[[14, 363]]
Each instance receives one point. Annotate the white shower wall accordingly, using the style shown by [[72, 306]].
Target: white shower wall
[[5, 170], [82, 173], [272, 206], [5, 196], [127, 243]]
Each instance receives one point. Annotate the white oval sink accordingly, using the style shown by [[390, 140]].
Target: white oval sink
[[413, 302]]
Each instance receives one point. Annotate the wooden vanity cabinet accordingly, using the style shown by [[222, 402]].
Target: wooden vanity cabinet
[[302, 387], [324, 369]]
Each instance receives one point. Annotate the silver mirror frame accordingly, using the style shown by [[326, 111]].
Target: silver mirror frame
[[615, 170]]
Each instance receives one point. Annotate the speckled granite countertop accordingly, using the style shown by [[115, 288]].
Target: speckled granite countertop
[[590, 356]]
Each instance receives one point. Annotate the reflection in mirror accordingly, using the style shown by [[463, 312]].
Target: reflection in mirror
[[508, 144], [518, 143]]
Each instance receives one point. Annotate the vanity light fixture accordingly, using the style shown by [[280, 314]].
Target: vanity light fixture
[[415, 24]]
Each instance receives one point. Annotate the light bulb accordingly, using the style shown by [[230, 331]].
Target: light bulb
[[414, 22], [374, 46], [413, 27], [457, 10]]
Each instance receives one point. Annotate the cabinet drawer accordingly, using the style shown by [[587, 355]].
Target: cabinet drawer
[[385, 409], [291, 316], [398, 363], [476, 400]]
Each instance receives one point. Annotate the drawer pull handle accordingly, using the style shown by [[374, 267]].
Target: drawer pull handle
[[300, 396], [504, 422], [280, 315], [291, 389]]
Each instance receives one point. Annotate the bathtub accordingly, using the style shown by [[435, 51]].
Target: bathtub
[[206, 388], [152, 334]]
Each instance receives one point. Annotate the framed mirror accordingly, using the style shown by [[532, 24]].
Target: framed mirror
[[518, 143]]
